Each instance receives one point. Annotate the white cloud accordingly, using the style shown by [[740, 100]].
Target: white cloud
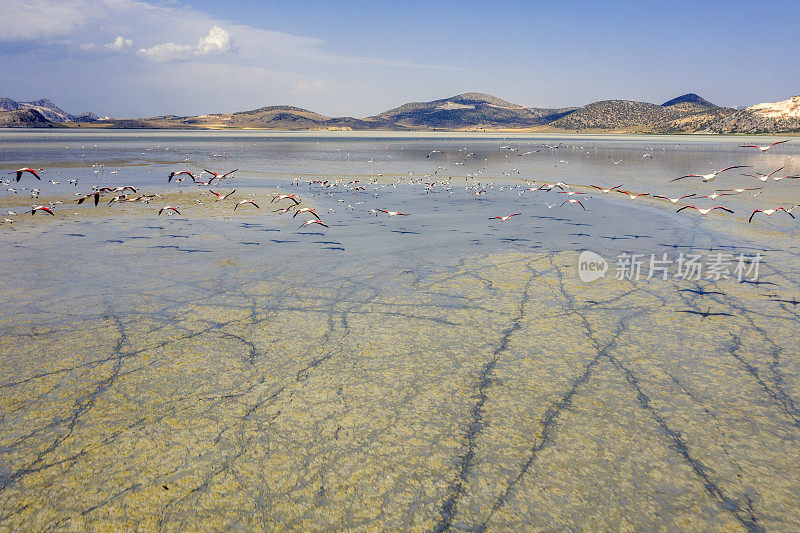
[[218, 40], [119, 44], [90, 38], [31, 20]]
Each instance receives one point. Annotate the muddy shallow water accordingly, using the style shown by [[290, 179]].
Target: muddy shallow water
[[229, 369]]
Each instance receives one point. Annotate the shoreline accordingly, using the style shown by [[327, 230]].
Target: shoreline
[[496, 131]]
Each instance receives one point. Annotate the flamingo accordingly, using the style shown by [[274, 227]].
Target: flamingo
[[279, 197], [217, 175], [573, 202], [776, 178], [306, 210], [674, 200], [633, 195], [770, 212], [715, 195], [392, 213], [763, 148], [168, 208], [764, 177], [433, 152], [222, 196], [96, 196], [21, 171], [503, 219], [616, 162], [41, 208], [709, 177], [605, 191], [243, 202], [313, 221], [740, 190], [173, 174], [117, 189], [704, 211]]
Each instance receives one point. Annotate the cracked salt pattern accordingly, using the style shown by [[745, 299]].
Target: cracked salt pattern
[[438, 371]]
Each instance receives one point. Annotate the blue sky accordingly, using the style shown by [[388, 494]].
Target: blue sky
[[139, 58]]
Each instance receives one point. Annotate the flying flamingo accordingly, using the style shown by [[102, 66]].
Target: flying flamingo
[[716, 195], [605, 191], [740, 190], [217, 175], [21, 171], [222, 196], [704, 211], [573, 202], [41, 208], [306, 210], [392, 213], [168, 208], [764, 177], [633, 195], [779, 178], [764, 148], [710, 177], [173, 174], [674, 200], [770, 212], [503, 219], [243, 202], [279, 197], [96, 196], [313, 221]]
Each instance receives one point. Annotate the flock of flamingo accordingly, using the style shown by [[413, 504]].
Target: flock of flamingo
[[573, 197]]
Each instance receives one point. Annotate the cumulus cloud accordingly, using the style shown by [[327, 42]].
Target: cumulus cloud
[[119, 44], [218, 40]]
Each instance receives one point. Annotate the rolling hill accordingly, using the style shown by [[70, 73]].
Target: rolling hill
[[24, 118], [470, 111], [773, 117], [688, 113], [47, 109]]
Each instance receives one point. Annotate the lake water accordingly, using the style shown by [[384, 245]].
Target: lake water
[[438, 370]]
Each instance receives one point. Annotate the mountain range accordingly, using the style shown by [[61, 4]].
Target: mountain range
[[688, 113]]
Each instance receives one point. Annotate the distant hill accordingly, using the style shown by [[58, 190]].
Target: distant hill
[[271, 117], [616, 114], [783, 116], [688, 113], [688, 98], [49, 110], [784, 109], [469, 111], [24, 118]]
